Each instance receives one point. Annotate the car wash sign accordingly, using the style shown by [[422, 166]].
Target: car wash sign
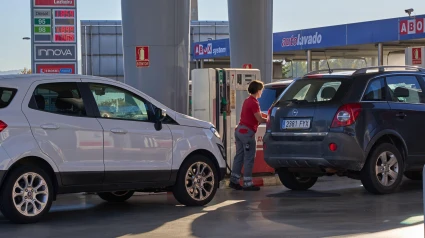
[[214, 49], [309, 38], [412, 27]]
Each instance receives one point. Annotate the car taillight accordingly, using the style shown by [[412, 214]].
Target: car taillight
[[346, 115], [268, 123], [2, 126]]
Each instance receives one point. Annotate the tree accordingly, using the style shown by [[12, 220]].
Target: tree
[[26, 71]]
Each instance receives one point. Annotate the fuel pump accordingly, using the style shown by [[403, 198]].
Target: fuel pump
[[217, 97]]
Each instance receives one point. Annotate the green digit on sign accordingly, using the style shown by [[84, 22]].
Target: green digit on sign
[[42, 21]]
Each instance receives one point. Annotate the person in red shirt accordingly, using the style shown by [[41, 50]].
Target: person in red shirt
[[246, 145]]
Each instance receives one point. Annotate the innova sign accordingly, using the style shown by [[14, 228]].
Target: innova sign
[[56, 52]]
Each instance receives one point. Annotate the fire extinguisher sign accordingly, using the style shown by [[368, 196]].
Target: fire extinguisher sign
[[416, 55], [142, 56]]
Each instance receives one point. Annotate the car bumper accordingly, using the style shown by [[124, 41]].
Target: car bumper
[[313, 152]]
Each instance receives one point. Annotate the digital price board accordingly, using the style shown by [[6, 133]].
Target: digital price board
[[54, 36], [64, 13], [63, 31], [64, 37]]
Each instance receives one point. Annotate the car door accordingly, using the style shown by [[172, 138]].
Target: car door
[[66, 130], [137, 152], [408, 108]]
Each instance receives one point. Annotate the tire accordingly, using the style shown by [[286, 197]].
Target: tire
[[294, 182], [38, 181], [118, 196], [413, 175], [205, 184], [380, 177]]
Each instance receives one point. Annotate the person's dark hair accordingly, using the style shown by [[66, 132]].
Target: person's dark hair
[[255, 86]]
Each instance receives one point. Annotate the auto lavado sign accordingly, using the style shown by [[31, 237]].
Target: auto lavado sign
[[50, 52], [300, 40]]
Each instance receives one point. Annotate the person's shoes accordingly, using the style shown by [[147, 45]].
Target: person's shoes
[[251, 188], [235, 186]]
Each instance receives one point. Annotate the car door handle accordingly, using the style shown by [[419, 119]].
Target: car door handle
[[49, 126], [401, 115], [118, 131]]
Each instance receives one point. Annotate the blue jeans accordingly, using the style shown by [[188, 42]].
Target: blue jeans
[[246, 147]]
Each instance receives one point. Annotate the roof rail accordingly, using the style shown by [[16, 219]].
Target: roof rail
[[332, 70], [382, 69]]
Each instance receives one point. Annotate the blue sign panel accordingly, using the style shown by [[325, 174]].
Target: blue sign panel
[[371, 32], [309, 38], [211, 49]]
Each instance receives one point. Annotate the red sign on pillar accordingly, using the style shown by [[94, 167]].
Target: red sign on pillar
[[142, 56], [416, 55], [247, 66]]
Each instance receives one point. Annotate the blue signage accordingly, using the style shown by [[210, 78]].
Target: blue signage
[[65, 71], [309, 38], [211, 49], [371, 32]]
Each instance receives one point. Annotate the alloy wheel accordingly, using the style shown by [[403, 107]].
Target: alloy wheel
[[387, 168], [30, 194], [199, 181]]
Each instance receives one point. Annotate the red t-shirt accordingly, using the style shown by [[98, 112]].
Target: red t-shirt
[[249, 108]]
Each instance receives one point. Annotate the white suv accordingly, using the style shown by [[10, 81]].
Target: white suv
[[69, 134]]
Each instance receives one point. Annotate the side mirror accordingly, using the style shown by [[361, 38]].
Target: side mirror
[[400, 92], [159, 117]]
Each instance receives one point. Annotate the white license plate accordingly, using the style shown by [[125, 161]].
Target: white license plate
[[295, 124]]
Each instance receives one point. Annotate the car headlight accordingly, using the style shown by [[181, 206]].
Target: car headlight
[[215, 132]]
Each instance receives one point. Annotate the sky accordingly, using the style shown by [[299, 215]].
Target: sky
[[15, 53]]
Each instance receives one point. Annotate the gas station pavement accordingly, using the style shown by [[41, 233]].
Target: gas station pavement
[[336, 207]]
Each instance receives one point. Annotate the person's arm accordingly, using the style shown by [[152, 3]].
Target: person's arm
[[260, 117], [264, 115]]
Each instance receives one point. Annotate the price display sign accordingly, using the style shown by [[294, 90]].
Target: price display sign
[[64, 32], [54, 36]]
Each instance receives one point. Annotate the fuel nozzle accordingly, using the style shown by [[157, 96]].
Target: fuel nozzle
[[223, 105]]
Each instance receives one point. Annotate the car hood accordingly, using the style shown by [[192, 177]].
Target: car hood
[[182, 119], [186, 120]]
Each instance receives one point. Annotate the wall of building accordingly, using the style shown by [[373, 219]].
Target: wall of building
[[102, 49]]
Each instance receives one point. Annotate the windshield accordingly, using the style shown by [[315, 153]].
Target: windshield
[[269, 96], [313, 90]]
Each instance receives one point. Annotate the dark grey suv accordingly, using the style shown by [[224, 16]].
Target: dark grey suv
[[366, 124]]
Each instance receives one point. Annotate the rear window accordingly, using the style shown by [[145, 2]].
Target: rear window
[[7, 95], [314, 90], [269, 96]]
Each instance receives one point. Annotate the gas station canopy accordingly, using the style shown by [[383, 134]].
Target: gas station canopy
[[340, 41]]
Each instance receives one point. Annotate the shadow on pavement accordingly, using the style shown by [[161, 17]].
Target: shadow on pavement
[[272, 212]]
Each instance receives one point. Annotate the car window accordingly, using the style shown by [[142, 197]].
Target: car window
[[375, 91], [6, 96], [312, 90], [413, 93], [269, 96], [59, 98], [117, 103]]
